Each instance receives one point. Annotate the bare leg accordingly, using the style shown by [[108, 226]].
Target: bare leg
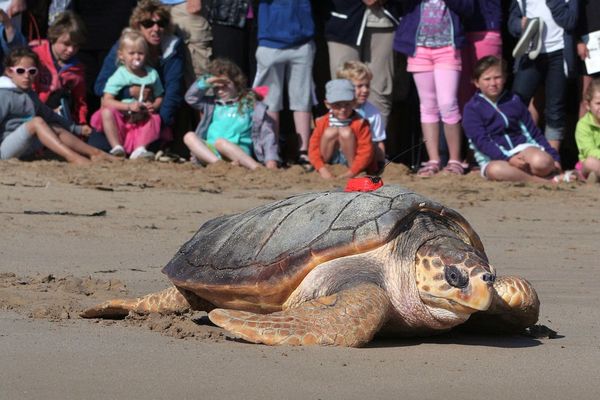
[[37, 126], [199, 149], [591, 165], [74, 143], [302, 124], [453, 136], [110, 127], [329, 143], [347, 144], [236, 154], [431, 135], [503, 171], [539, 162]]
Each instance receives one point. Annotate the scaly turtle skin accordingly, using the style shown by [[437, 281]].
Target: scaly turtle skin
[[336, 268]]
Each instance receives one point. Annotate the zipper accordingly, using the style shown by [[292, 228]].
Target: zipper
[[363, 24]]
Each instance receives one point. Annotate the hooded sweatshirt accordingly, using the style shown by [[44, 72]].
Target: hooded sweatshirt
[[18, 106], [587, 136]]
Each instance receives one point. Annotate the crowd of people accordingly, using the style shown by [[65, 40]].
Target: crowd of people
[[130, 78]]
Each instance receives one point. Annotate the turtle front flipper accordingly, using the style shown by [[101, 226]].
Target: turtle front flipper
[[514, 307], [348, 318], [169, 301]]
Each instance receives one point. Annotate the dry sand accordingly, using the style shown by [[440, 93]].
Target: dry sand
[[73, 236]]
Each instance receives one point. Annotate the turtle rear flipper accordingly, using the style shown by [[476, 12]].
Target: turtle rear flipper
[[169, 301], [348, 318]]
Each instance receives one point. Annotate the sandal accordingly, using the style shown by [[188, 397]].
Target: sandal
[[568, 176], [429, 169], [454, 167]]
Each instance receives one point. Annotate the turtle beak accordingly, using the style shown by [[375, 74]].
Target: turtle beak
[[481, 291]]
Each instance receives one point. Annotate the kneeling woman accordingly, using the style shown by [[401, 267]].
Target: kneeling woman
[[508, 145]]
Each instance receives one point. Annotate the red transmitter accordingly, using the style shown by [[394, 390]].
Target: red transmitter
[[363, 184]]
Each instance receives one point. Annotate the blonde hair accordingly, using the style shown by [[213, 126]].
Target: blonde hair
[[593, 87], [354, 71], [134, 37]]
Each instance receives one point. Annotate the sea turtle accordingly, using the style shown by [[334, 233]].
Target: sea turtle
[[336, 268]]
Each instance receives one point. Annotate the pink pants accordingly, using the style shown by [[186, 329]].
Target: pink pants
[[478, 45], [132, 135], [436, 72]]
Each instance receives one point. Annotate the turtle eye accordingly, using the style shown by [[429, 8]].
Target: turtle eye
[[455, 277]]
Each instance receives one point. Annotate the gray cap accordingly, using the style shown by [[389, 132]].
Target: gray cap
[[339, 90]]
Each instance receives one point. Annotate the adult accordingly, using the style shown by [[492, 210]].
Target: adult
[[166, 55], [195, 32], [363, 30]]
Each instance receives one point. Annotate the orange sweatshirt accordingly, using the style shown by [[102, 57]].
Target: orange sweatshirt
[[364, 147]]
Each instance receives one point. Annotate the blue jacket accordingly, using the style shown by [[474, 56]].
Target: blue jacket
[[170, 70], [487, 16], [493, 129], [285, 23], [5, 46], [406, 33], [346, 22], [565, 14]]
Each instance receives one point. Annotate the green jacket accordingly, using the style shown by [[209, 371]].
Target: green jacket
[[587, 136]]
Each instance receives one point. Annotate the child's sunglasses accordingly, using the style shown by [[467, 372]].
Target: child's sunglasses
[[149, 23], [32, 71]]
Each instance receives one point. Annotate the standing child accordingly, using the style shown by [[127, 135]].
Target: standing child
[[431, 35], [60, 82], [508, 145], [26, 124], [342, 135], [235, 124], [360, 75], [131, 124], [587, 134]]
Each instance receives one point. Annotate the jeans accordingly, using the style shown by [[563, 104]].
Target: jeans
[[549, 69]]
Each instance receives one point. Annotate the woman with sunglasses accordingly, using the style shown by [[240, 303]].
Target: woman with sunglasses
[[27, 125], [165, 54]]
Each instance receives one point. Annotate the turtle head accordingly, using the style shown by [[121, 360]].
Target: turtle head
[[453, 276]]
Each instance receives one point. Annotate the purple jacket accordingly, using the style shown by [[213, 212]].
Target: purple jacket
[[406, 33], [495, 129], [487, 16]]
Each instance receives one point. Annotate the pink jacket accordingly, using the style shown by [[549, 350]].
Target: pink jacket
[[71, 77]]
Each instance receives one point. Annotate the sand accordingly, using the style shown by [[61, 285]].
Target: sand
[[74, 236]]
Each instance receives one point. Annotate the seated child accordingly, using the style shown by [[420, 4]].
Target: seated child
[[507, 144], [587, 134], [235, 125], [342, 135], [360, 75], [131, 124], [27, 124], [60, 82]]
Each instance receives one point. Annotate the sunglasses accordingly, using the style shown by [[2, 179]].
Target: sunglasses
[[32, 71], [149, 23]]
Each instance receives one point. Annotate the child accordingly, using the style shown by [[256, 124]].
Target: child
[[431, 35], [360, 75], [235, 124], [60, 82], [587, 134], [24, 118], [552, 64], [341, 135], [131, 124], [507, 144]]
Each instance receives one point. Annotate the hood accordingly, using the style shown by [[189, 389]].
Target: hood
[[168, 45], [7, 83]]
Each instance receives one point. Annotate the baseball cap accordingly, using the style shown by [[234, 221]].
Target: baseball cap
[[339, 90]]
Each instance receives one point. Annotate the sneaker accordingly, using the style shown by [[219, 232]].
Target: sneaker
[[117, 151], [536, 42], [141, 153], [531, 28]]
